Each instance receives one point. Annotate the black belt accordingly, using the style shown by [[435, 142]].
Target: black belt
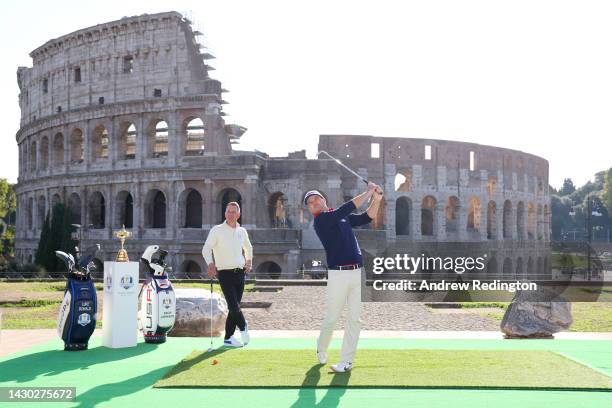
[[232, 270], [346, 267]]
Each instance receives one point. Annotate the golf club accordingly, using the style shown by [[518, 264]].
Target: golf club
[[211, 315], [342, 165]]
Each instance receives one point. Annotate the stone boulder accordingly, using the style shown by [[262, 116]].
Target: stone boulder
[[536, 315], [193, 318]]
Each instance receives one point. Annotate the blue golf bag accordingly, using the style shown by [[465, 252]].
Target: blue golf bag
[[77, 315]]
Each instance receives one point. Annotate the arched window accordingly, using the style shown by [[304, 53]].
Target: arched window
[[127, 141], [402, 216], [452, 214], [100, 143], [97, 210], [427, 216], [44, 153], [491, 225], [193, 210], [158, 139], [58, 150], [195, 136], [76, 146]]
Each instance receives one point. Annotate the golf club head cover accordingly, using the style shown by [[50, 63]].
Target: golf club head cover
[[158, 303]]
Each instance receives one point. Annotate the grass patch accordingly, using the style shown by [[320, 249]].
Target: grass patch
[[216, 287], [478, 305], [385, 368]]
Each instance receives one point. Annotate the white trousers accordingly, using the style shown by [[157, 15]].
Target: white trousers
[[343, 288]]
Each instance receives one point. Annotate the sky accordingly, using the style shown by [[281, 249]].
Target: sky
[[534, 76]]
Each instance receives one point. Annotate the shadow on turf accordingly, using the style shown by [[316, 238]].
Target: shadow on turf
[[53, 362], [106, 392], [203, 356], [307, 396]]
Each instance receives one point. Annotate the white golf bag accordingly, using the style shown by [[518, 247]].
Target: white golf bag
[[158, 302]]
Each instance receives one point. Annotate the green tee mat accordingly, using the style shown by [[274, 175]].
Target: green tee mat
[[386, 369], [125, 377]]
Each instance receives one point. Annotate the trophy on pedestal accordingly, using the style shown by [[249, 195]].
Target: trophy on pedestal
[[119, 320]]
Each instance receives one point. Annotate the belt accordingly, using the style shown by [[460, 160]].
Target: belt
[[232, 270], [346, 267]]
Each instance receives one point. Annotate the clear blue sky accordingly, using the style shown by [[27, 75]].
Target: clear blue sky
[[529, 75]]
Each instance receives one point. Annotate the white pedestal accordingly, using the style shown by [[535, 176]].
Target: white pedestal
[[120, 310]]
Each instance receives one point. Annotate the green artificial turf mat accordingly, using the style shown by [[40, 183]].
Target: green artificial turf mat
[[390, 368]]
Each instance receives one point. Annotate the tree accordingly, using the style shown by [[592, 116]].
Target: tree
[[607, 193], [568, 187], [55, 236], [43, 256]]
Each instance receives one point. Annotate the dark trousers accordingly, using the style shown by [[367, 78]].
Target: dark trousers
[[232, 285]]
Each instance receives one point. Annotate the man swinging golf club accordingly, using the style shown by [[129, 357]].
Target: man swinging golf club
[[226, 242], [335, 230]]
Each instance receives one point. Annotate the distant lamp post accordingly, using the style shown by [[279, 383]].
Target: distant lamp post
[[590, 213]]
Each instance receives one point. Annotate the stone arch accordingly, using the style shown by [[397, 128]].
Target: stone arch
[[507, 268], [531, 221], [58, 150], [97, 210], [44, 153], [403, 209], [492, 266], [41, 207], [507, 219], [403, 180], [428, 217], [546, 223], [452, 214], [30, 213], [99, 143], [33, 158], [157, 138], [520, 220], [190, 268], [155, 209], [77, 154], [474, 215], [519, 268], [226, 196], [74, 204], [530, 268], [124, 205], [491, 220], [190, 205], [539, 223], [269, 269], [277, 212], [55, 199], [195, 135], [539, 267], [127, 141]]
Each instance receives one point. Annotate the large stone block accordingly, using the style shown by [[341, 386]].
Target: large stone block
[[193, 313], [528, 316]]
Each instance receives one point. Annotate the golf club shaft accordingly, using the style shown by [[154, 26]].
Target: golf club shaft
[[211, 312], [343, 166]]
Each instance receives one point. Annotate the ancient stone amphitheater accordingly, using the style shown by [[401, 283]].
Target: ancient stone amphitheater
[[123, 124]]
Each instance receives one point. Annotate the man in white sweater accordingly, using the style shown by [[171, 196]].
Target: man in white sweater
[[231, 248]]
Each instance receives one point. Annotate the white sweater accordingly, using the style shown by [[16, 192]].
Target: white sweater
[[226, 244]]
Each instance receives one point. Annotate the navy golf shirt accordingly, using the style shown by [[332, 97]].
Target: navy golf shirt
[[335, 230]]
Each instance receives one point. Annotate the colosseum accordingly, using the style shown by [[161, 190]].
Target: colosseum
[[123, 124]]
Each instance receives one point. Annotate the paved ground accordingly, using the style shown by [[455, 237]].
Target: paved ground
[[303, 307]]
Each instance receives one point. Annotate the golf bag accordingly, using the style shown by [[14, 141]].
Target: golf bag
[[77, 314], [158, 303]]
